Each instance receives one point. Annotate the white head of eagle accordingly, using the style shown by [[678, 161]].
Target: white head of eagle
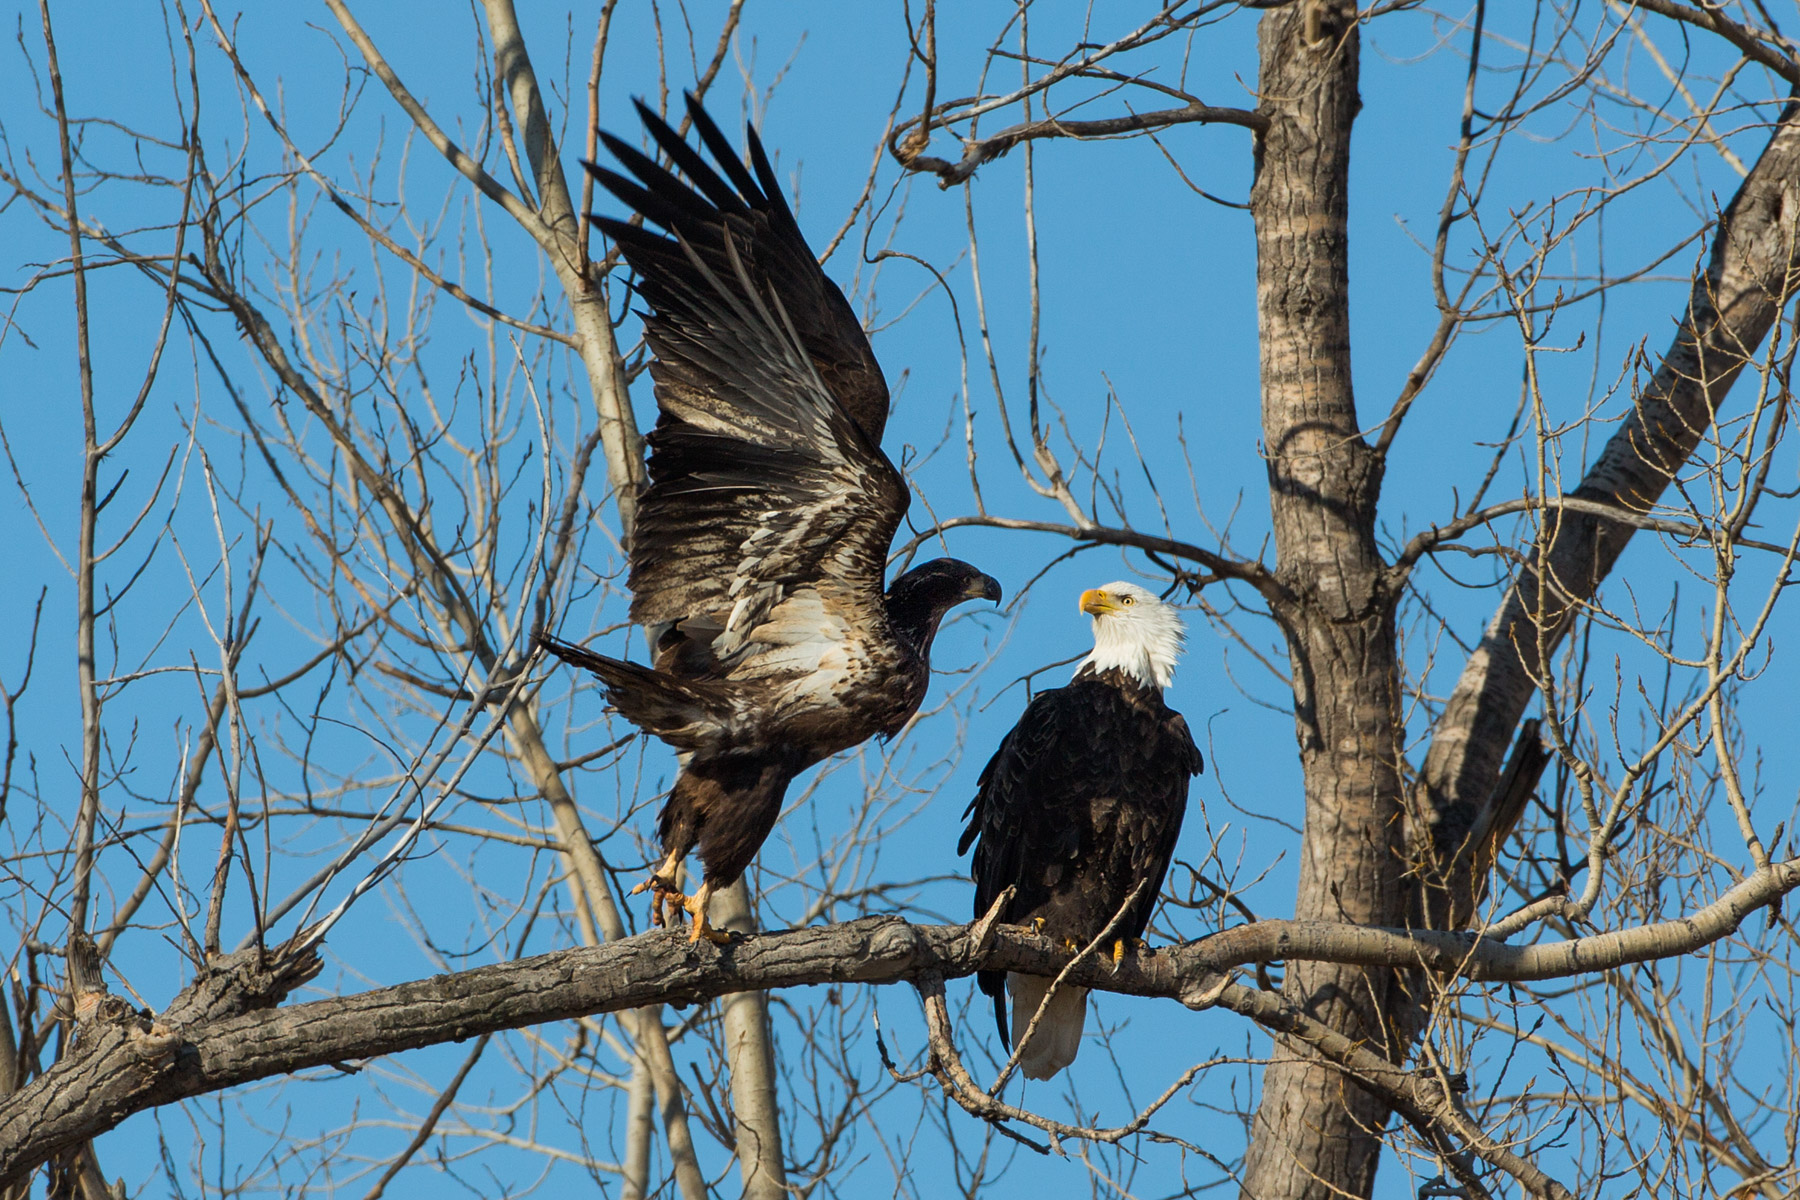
[[1135, 631]]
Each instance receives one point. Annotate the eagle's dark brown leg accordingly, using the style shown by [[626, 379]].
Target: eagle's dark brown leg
[[696, 906]]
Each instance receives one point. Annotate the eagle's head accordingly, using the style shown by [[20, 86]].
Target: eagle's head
[[1134, 631], [918, 600]]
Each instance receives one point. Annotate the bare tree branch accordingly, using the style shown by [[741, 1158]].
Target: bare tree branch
[[1752, 273], [218, 1034], [984, 150], [1773, 53]]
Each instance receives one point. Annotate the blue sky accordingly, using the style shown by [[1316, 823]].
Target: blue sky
[[1148, 296]]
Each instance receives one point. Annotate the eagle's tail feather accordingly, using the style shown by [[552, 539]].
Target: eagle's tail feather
[[674, 710], [1058, 1036]]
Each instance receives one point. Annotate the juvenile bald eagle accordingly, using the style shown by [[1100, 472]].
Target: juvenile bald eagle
[[762, 540], [1080, 808]]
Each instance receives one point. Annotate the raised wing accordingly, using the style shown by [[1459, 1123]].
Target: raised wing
[[766, 473]]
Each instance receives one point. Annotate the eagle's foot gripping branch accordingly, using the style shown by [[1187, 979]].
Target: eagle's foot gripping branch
[[1067, 943], [1128, 945], [667, 902], [664, 897], [696, 907]]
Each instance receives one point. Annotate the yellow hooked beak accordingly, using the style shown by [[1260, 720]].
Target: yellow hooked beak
[[1098, 602]]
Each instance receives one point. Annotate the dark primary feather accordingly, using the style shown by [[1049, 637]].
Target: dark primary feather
[[761, 542], [766, 471], [767, 236], [1082, 802]]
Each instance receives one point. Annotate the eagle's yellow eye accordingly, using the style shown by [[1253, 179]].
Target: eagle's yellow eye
[[1127, 600]]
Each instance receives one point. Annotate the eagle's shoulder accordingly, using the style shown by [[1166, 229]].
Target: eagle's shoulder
[[1160, 732]]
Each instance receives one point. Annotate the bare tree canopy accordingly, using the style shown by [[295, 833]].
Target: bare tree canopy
[[322, 403]]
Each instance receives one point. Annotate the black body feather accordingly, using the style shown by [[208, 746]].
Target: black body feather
[[1079, 807]]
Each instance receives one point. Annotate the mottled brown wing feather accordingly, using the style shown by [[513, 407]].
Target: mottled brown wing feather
[[826, 323], [765, 478]]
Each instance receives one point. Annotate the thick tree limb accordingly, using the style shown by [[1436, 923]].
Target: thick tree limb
[[219, 1033], [1752, 273], [1753, 43]]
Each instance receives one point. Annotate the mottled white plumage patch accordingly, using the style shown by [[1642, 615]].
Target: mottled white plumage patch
[[1137, 633], [804, 647]]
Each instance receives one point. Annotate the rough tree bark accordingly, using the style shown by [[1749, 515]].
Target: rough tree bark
[[224, 1030], [1315, 1134]]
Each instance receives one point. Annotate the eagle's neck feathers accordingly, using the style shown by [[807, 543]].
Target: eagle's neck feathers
[[1136, 661], [1144, 645]]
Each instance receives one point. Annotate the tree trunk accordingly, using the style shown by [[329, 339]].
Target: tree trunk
[[750, 1051], [1316, 1134]]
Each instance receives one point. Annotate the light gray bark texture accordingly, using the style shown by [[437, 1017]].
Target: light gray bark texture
[[225, 1029], [1314, 1134], [750, 1051]]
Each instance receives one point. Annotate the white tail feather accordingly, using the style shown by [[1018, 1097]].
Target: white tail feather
[[1058, 1035]]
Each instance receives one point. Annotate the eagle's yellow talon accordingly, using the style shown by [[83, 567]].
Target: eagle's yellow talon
[[661, 894], [696, 907], [1135, 945], [718, 937]]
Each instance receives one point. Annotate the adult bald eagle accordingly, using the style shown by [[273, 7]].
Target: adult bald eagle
[[1080, 808], [762, 539]]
